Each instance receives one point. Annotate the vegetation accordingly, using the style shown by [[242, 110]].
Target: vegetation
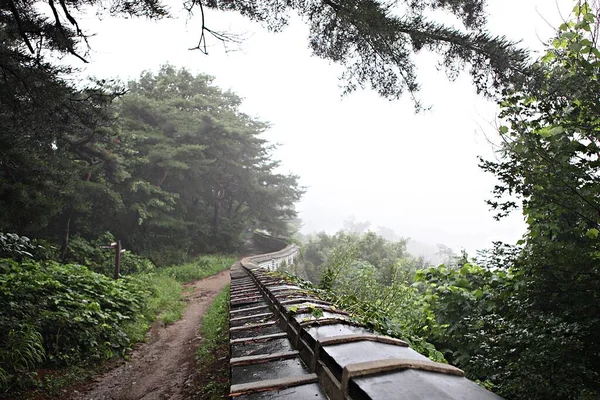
[[522, 320], [550, 165], [172, 167], [181, 172], [212, 375], [374, 41], [65, 315], [58, 315], [389, 260], [370, 278]]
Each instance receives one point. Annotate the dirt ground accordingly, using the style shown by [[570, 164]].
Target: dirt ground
[[163, 367]]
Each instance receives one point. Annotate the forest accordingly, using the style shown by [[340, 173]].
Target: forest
[[169, 165]]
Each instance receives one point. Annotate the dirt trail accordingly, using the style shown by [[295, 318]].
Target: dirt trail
[[160, 368]]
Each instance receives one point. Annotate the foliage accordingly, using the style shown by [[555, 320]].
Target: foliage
[[102, 260], [200, 173], [200, 268], [173, 168], [15, 246], [468, 303], [58, 315], [484, 325], [549, 163], [213, 372], [77, 314], [21, 351], [325, 257], [370, 277], [395, 310], [374, 41]]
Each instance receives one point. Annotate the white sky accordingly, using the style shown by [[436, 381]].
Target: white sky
[[358, 155]]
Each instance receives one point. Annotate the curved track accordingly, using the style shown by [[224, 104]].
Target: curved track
[[281, 348]]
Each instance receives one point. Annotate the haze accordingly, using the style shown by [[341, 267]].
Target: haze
[[357, 155]]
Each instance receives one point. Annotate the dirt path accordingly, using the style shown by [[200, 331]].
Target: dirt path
[[160, 368]]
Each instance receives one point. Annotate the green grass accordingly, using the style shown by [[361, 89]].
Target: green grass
[[212, 380], [165, 301], [200, 268]]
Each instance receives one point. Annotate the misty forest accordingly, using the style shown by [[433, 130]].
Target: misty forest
[[170, 167]]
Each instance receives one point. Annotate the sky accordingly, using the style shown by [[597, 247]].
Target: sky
[[358, 155]]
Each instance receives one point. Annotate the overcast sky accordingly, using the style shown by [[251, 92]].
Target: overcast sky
[[357, 155]]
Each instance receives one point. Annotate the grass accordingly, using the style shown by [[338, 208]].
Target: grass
[[165, 302], [212, 379], [200, 268]]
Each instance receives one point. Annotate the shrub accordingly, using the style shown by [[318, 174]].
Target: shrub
[[15, 246], [98, 259], [78, 315]]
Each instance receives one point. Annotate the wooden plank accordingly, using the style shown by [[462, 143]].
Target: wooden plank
[[263, 358], [258, 338], [271, 384]]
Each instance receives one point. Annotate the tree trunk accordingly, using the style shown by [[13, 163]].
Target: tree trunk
[[162, 178], [65, 244], [218, 207], [230, 207]]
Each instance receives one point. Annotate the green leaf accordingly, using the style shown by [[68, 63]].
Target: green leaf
[[575, 47], [592, 233], [550, 131], [589, 17]]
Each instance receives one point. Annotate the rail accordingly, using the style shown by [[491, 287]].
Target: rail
[[287, 344]]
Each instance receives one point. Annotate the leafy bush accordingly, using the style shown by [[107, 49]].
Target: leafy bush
[[77, 314], [56, 315], [465, 301], [395, 310], [486, 324], [98, 259], [164, 256], [15, 246]]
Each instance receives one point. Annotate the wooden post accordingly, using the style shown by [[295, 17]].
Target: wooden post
[[117, 259]]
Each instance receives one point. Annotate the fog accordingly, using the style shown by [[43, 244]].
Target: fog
[[359, 155]]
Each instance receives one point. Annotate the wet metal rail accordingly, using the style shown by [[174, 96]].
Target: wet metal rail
[[281, 348]]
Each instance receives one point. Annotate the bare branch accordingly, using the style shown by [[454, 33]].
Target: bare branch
[[15, 13]]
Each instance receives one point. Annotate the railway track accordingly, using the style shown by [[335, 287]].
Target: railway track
[[286, 344]]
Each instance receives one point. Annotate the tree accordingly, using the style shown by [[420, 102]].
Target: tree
[[200, 173], [373, 40], [351, 225], [54, 140], [446, 255], [549, 164]]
